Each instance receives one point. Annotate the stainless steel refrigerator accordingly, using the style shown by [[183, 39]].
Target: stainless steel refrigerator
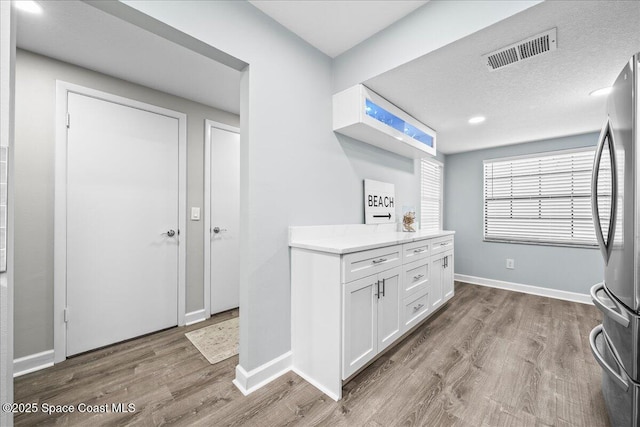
[[615, 202]]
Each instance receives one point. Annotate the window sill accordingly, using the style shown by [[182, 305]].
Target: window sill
[[535, 243]]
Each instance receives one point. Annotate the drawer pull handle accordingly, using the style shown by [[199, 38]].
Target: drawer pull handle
[[618, 314], [417, 307], [418, 277], [620, 380], [444, 244], [378, 261], [417, 251]]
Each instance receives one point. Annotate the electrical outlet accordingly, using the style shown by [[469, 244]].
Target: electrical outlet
[[510, 264]]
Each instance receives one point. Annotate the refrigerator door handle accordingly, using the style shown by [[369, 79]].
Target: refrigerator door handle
[[605, 247], [618, 379], [620, 316]]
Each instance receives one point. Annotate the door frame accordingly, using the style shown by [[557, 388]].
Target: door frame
[[208, 126], [60, 196]]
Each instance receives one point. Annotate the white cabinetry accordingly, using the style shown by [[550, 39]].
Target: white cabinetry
[[362, 114], [360, 338], [416, 276], [389, 324], [416, 309], [447, 276], [437, 295], [351, 298], [371, 318], [366, 263], [441, 276]]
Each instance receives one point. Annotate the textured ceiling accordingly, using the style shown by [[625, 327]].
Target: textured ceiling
[[544, 97], [80, 34], [541, 98], [332, 26]]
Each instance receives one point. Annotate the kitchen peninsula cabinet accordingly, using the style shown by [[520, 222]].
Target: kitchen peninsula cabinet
[[358, 289]]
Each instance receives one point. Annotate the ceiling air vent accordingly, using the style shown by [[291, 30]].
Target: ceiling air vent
[[524, 49]]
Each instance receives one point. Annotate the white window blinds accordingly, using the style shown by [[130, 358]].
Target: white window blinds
[[545, 198], [431, 195]]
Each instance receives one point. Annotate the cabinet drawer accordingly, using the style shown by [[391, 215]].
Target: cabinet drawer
[[441, 244], [415, 250], [362, 264], [416, 308], [416, 276]]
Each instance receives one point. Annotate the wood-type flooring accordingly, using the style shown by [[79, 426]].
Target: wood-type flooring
[[488, 358]]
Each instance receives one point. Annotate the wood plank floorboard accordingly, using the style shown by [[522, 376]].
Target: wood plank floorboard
[[489, 358]]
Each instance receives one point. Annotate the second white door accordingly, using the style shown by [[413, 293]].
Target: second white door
[[225, 219]]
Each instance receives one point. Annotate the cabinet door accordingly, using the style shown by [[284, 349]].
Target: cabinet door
[[360, 324], [447, 275], [437, 269], [389, 307]]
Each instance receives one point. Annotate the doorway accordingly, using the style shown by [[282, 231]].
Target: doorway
[[222, 217], [120, 205]]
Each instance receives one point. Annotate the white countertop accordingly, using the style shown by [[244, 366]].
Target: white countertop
[[343, 241]]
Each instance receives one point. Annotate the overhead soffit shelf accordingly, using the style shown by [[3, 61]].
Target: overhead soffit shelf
[[362, 114]]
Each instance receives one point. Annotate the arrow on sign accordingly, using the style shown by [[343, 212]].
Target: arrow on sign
[[383, 216]]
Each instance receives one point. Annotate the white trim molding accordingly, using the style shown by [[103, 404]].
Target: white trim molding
[[33, 362], [527, 289], [208, 126], [248, 382], [316, 384], [60, 202], [195, 317], [7, 124]]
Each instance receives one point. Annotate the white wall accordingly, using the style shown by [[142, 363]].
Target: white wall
[[34, 164], [554, 267], [295, 170], [7, 63]]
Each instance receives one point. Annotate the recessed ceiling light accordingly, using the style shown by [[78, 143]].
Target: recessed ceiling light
[[600, 92], [477, 119], [28, 6]]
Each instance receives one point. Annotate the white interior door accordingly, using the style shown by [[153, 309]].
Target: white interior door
[[122, 195], [225, 219]]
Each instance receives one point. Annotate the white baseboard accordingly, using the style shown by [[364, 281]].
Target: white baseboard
[[316, 384], [31, 363], [527, 289], [195, 317], [248, 382]]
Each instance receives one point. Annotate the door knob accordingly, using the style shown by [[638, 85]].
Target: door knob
[[218, 229], [171, 233]]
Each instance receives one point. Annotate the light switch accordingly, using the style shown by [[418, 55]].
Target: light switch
[[195, 214]]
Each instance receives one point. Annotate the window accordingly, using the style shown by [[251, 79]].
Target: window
[[544, 198], [430, 195]]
